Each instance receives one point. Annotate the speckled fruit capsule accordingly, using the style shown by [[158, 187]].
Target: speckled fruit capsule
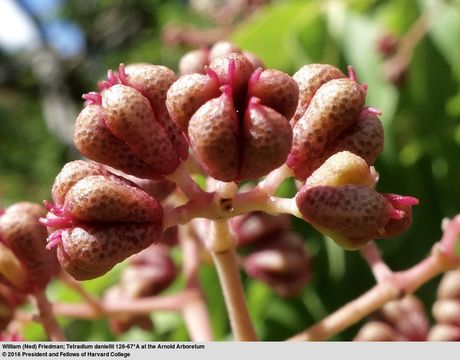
[[365, 138], [94, 140], [407, 316], [188, 94], [253, 227], [333, 109], [70, 174], [267, 140], [275, 89], [309, 79], [194, 62], [89, 251], [234, 70], [149, 272], [351, 215], [21, 231], [99, 219], [126, 125], [343, 168], [378, 331], [281, 262], [449, 287], [129, 116], [447, 311], [153, 81], [444, 332], [213, 133]]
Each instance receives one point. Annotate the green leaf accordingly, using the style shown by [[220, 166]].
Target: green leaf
[[357, 38], [278, 25], [445, 29]]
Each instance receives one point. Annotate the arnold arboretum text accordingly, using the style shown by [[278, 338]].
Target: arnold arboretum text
[[246, 129]]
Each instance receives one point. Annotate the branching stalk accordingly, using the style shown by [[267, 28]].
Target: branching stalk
[[47, 318]]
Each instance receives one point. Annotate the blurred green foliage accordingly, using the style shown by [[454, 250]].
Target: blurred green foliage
[[420, 115]]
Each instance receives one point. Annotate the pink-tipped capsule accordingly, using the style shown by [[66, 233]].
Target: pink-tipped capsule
[[98, 219]]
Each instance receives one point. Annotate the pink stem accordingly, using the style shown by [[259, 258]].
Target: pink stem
[[403, 282], [47, 318], [371, 254]]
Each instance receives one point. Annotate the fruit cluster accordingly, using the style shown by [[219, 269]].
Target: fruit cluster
[[446, 309], [241, 122], [230, 120]]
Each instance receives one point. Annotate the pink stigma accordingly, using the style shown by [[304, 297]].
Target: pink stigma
[[401, 199], [212, 74], [255, 76], [397, 214], [54, 239], [122, 74], [369, 111], [57, 222], [226, 91], [231, 72], [92, 98], [56, 210], [352, 73]]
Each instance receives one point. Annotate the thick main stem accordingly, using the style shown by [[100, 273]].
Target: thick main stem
[[224, 257], [47, 318]]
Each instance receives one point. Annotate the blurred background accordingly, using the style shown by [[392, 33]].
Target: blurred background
[[407, 51]]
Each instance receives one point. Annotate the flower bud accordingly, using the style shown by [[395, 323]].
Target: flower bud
[[10, 299], [309, 79], [99, 219], [338, 199], [334, 108], [196, 61], [330, 118], [256, 226], [444, 332], [343, 168], [282, 263], [127, 125], [449, 287], [22, 233], [12, 272], [447, 311], [148, 273], [120, 324], [378, 331], [243, 133], [407, 316]]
